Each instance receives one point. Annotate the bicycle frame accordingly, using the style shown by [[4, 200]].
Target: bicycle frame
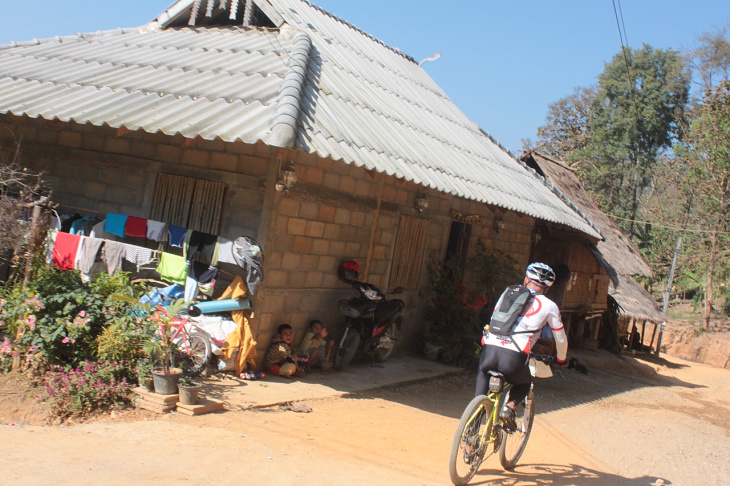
[[490, 434]]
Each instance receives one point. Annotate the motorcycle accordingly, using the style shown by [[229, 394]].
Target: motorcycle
[[371, 320]]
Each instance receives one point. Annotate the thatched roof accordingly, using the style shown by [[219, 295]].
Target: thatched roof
[[616, 249], [635, 301], [615, 253]]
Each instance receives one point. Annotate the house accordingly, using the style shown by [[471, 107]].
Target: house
[[276, 120], [609, 273]]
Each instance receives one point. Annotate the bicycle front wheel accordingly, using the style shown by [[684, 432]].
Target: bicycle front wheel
[[513, 443], [469, 445], [194, 355]]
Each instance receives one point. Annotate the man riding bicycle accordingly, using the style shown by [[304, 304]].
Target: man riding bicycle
[[509, 354]]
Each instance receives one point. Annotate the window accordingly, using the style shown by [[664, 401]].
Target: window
[[458, 244], [410, 245], [192, 203]]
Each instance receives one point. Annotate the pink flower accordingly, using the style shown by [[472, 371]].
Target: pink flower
[[82, 314], [5, 348], [30, 320], [65, 340]]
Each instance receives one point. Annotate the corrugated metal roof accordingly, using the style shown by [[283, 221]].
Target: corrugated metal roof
[[219, 82], [362, 102]]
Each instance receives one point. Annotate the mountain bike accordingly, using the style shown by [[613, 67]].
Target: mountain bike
[[480, 428]]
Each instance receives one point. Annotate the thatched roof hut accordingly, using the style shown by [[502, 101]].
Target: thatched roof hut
[[616, 254]]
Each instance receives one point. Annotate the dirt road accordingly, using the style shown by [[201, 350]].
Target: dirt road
[[666, 419]]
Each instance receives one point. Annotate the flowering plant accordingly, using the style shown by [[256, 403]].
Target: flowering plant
[[90, 388]]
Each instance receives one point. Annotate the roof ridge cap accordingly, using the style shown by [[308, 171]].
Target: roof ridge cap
[[285, 122]]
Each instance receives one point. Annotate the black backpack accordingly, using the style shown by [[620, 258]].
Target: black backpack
[[510, 306]]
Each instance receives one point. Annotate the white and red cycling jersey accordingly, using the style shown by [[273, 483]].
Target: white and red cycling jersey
[[539, 312]]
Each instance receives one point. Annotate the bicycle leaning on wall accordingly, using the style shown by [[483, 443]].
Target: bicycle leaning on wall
[[480, 426]]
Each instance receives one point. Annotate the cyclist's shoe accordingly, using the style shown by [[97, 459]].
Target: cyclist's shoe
[[507, 415]]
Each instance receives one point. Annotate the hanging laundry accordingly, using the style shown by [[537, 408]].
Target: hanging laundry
[[67, 222], [135, 227], [112, 255], [115, 224], [88, 253], [156, 230], [65, 250], [224, 251], [199, 241], [138, 255], [83, 226], [173, 268], [98, 232], [250, 257], [177, 235]]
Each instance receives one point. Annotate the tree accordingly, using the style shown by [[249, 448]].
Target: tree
[[710, 58], [566, 132], [618, 129], [706, 150], [641, 95]]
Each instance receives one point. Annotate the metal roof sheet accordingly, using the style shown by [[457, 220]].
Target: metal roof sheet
[[361, 101]]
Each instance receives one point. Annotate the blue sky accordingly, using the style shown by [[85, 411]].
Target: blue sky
[[502, 62]]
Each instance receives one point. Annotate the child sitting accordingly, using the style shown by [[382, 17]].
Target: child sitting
[[281, 357], [314, 346]]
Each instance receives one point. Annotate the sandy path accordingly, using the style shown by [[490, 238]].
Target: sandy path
[[603, 428]]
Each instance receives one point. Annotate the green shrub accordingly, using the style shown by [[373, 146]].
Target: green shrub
[[61, 317], [91, 388]]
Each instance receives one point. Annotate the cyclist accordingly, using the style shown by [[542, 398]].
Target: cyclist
[[509, 355]]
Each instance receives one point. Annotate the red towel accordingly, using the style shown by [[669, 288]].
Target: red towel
[[65, 249], [136, 227]]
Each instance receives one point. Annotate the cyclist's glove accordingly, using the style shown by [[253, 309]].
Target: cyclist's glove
[[561, 364]]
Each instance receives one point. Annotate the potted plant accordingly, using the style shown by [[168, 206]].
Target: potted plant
[[161, 350], [188, 389]]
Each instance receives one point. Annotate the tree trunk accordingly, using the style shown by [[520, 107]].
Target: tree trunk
[[719, 224]]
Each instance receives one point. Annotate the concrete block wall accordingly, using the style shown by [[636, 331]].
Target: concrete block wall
[[101, 169]]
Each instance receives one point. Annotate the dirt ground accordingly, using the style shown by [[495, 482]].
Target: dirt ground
[[629, 421]]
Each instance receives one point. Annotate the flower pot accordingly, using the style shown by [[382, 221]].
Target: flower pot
[[189, 394], [147, 382], [431, 352], [166, 383]]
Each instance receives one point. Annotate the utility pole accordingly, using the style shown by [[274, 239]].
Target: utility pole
[[671, 275]]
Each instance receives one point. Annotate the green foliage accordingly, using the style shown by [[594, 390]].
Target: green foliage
[[92, 387], [456, 315], [158, 345], [188, 382], [60, 317]]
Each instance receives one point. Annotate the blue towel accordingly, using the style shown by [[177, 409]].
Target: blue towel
[[115, 223], [177, 235]]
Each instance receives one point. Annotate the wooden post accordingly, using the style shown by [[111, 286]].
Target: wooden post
[[374, 227], [653, 335], [643, 333], [632, 323]]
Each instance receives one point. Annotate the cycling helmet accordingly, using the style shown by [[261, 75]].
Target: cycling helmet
[[349, 270], [540, 273]]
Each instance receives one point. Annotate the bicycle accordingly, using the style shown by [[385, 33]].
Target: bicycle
[[480, 427], [192, 346]]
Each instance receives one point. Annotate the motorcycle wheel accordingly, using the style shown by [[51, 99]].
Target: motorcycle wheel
[[382, 354], [347, 351]]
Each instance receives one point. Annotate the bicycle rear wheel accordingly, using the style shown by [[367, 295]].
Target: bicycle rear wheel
[[194, 357], [512, 444], [468, 448]]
